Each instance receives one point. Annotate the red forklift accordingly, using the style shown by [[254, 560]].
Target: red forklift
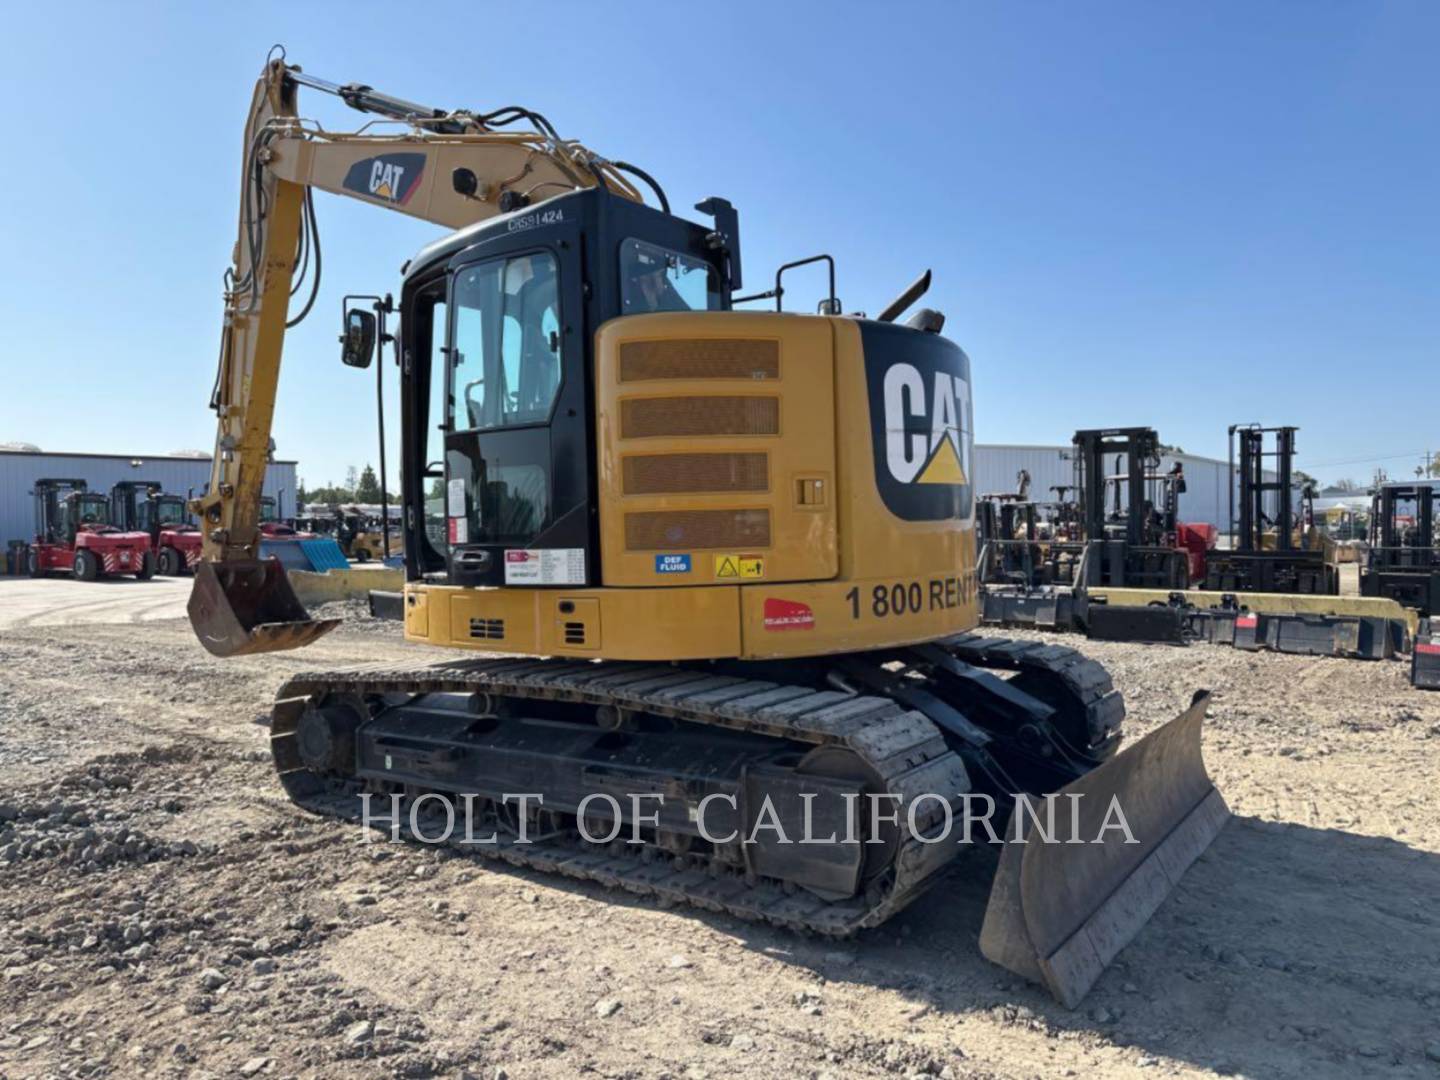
[[143, 506], [74, 532]]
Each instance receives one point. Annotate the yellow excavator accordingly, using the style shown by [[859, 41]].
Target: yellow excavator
[[716, 565]]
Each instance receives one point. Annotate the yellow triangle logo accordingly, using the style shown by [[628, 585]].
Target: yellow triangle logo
[[725, 567], [384, 192], [944, 466]]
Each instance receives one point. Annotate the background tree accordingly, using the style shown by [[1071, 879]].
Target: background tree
[[367, 490], [331, 494]]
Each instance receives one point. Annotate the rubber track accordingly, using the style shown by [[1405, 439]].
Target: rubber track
[[1085, 681], [902, 746]]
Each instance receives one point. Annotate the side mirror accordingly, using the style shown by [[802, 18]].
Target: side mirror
[[357, 343]]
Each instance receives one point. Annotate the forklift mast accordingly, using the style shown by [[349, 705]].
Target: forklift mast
[[125, 500], [1403, 546], [1140, 447], [1254, 487], [1250, 565], [1404, 562], [1137, 545], [48, 494]]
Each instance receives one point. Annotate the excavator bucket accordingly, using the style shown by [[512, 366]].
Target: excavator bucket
[[1060, 912], [249, 606]]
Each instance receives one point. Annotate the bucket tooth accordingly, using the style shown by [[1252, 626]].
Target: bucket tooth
[[249, 606], [1059, 913]]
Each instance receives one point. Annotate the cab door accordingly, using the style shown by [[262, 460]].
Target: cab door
[[517, 435]]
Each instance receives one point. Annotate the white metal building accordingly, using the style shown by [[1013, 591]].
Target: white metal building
[[1205, 499], [185, 474]]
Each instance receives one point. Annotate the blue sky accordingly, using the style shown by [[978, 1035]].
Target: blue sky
[[1177, 215]]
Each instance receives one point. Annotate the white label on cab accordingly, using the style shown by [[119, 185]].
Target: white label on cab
[[455, 507], [546, 566]]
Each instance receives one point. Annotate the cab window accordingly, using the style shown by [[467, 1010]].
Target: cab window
[[505, 359], [653, 278]]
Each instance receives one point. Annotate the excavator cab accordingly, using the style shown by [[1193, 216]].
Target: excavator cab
[[498, 328]]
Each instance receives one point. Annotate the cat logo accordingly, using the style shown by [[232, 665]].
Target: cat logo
[[921, 423], [935, 453], [392, 178]]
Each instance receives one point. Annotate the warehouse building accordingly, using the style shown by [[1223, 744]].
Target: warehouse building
[[185, 473], [1205, 501]]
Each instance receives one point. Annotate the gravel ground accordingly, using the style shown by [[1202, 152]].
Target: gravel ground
[[165, 912]]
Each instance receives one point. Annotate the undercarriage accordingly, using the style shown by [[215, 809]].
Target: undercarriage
[[787, 792]]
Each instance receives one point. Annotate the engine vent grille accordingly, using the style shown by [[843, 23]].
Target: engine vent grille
[[574, 633], [699, 359], [681, 417], [664, 474], [487, 629], [664, 530]]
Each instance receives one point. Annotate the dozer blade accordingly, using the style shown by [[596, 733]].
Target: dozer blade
[[1060, 912], [249, 606]]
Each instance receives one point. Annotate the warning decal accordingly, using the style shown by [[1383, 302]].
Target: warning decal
[[737, 567]]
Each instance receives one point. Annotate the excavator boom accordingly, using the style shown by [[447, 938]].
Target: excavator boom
[[454, 169]]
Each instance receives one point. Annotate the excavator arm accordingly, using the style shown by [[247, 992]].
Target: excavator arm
[[452, 168]]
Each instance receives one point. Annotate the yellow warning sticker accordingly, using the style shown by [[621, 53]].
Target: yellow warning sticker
[[739, 566]]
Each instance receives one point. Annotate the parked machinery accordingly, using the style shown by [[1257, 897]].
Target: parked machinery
[[274, 527], [143, 506], [363, 537], [1130, 517], [74, 533], [1261, 560], [1065, 521], [1008, 529], [1121, 528], [319, 522], [1403, 563], [780, 611]]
